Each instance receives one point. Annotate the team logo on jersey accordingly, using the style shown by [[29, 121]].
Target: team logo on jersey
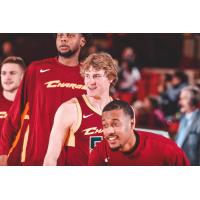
[[44, 70], [86, 116], [3, 114], [58, 83], [92, 130]]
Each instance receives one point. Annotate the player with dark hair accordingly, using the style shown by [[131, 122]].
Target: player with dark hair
[[46, 85], [82, 129], [124, 146]]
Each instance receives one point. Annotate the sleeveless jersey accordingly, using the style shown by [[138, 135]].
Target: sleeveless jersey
[[86, 135]]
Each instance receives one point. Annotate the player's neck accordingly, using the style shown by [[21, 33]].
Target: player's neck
[[71, 62], [130, 144], [99, 102], [9, 95]]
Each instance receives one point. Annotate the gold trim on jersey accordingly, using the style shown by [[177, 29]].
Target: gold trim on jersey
[[23, 154], [23, 116], [70, 141], [92, 107]]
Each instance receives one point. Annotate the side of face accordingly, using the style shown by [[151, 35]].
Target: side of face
[[117, 128], [184, 102], [69, 43], [11, 76], [96, 82]]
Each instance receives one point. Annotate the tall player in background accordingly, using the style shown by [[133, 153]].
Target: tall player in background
[[45, 86], [12, 71], [82, 129]]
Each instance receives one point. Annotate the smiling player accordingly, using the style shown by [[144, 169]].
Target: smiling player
[[82, 129], [124, 146]]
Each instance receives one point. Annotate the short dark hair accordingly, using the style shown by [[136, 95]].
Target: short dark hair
[[87, 36], [15, 60], [120, 105], [181, 76]]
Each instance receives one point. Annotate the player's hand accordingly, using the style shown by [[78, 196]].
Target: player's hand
[[3, 160]]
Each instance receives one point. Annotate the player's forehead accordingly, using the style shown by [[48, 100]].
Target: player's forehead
[[10, 67], [67, 34], [113, 115], [91, 70]]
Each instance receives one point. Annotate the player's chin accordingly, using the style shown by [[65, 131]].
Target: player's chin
[[8, 88], [115, 147], [91, 93]]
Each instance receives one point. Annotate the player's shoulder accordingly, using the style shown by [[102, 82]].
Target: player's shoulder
[[157, 139], [69, 105], [44, 61], [47, 62]]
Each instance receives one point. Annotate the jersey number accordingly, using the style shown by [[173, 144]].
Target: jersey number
[[94, 140]]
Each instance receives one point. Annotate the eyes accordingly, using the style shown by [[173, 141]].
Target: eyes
[[3, 73], [68, 35], [113, 125], [95, 76]]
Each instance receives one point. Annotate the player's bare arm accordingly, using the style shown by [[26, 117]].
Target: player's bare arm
[[64, 120]]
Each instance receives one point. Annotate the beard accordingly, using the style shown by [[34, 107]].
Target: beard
[[115, 148], [67, 54]]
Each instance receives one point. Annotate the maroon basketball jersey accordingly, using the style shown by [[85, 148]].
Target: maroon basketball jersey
[[152, 150], [5, 105], [87, 134], [45, 86], [16, 152]]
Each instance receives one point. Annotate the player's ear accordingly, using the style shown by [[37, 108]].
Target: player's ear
[[132, 123], [110, 81], [83, 42]]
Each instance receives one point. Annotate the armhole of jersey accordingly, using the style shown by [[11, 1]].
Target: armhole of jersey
[[70, 141], [79, 112]]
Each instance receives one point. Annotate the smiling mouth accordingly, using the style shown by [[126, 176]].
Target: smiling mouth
[[111, 138], [8, 83], [93, 88]]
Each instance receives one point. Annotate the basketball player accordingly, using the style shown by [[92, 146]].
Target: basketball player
[[12, 71], [82, 129], [124, 146], [45, 86]]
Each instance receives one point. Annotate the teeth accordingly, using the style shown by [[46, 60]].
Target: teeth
[[111, 138]]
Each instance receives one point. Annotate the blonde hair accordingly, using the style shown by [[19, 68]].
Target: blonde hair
[[101, 61]]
